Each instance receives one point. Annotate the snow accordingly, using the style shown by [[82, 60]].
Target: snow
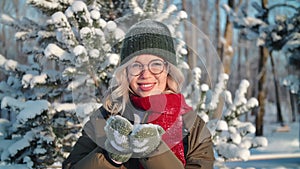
[[54, 51], [231, 151], [282, 151], [64, 107], [171, 8], [183, 15], [7, 19], [111, 26], [3, 127], [94, 53], [113, 59], [119, 34], [10, 65], [82, 110], [204, 87], [79, 9], [77, 82], [135, 7], [52, 4], [86, 32], [31, 109], [102, 23], [95, 14], [81, 55], [222, 125], [31, 80], [292, 81], [21, 144]]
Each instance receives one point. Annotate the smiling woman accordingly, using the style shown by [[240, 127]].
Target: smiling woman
[[144, 121]]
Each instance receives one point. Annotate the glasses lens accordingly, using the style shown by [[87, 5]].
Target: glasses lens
[[156, 66], [135, 68]]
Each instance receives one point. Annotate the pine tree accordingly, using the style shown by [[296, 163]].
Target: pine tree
[[71, 58]]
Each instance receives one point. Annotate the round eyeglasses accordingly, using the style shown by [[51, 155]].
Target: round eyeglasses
[[154, 66]]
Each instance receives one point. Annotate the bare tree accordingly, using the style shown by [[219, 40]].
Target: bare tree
[[228, 35]]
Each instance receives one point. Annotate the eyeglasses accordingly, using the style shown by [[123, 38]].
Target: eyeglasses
[[154, 66]]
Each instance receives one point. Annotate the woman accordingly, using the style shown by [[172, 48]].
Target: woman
[[144, 121]]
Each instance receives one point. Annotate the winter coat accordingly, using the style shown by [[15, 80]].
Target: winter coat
[[197, 142]]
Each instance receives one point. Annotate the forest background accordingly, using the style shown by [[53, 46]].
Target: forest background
[[254, 40]]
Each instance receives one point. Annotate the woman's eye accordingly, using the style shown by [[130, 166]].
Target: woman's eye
[[157, 64], [136, 65]]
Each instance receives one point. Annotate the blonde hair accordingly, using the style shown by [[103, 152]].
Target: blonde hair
[[117, 95]]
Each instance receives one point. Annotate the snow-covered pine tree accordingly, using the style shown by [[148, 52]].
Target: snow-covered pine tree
[[70, 60], [232, 138]]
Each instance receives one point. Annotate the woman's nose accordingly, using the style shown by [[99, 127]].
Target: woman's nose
[[146, 72]]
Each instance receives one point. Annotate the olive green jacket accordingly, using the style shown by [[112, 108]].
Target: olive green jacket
[[86, 154]]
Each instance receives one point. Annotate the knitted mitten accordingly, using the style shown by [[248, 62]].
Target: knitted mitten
[[145, 138], [117, 144]]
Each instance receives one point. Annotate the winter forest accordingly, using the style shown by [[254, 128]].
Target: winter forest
[[241, 60]]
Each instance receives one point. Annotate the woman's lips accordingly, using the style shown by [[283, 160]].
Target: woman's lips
[[146, 86]]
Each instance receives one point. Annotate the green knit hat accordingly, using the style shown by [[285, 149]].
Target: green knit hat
[[148, 37]]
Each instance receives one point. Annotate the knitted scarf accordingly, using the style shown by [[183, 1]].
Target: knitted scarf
[[166, 110]]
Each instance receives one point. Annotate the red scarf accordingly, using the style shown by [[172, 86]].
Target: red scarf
[[166, 111]]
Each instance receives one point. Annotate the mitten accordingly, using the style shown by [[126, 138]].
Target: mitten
[[117, 144], [145, 138]]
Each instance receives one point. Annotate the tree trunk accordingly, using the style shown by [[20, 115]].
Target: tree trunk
[[188, 38], [228, 49], [261, 91], [278, 106], [293, 106], [261, 82]]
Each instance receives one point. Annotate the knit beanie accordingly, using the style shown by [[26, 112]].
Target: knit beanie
[[148, 37]]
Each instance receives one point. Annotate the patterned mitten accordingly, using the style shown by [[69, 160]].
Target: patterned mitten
[[145, 138], [117, 144]]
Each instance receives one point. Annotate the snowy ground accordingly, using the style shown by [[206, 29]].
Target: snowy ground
[[282, 152]]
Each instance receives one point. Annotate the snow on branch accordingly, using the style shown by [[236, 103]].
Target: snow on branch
[[242, 21], [133, 4], [8, 20], [27, 110], [10, 65], [293, 83], [79, 12], [64, 33], [232, 138], [49, 6], [33, 80], [52, 51], [167, 13]]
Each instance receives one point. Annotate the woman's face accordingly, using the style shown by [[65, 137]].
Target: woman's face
[[147, 83]]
